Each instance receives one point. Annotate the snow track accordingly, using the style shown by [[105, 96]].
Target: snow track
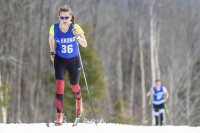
[[92, 128]]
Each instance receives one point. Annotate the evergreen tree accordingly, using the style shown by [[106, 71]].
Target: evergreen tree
[[119, 116]]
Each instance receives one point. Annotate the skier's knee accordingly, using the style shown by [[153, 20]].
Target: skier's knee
[[77, 90]]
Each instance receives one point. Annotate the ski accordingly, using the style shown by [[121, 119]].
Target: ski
[[76, 121], [53, 125]]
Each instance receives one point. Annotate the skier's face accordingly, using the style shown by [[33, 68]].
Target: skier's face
[[65, 18], [158, 84]]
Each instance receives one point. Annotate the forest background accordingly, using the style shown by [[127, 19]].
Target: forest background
[[130, 44]]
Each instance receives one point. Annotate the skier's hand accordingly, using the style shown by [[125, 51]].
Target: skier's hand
[[75, 32], [52, 56], [166, 99], [80, 37], [149, 94], [166, 96]]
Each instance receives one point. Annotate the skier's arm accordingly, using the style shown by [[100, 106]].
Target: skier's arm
[[166, 96], [51, 39], [51, 43], [82, 41], [149, 93], [79, 33]]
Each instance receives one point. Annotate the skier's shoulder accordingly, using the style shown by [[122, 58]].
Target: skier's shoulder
[[152, 88], [78, 28], [164, 88], [51, 30]]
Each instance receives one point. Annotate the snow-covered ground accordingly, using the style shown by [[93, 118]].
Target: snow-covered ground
[[92, 128]]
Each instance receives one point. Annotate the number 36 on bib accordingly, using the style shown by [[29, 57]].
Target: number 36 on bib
[[67, 48]]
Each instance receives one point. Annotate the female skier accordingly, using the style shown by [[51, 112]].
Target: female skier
[[64, 39]]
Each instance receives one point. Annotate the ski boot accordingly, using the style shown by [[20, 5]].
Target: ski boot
[[79, 110], [59, 119]]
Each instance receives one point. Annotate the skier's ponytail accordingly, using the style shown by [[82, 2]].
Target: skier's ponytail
[[73, 19]]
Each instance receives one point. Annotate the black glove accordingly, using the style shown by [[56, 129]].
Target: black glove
[[53, 54]]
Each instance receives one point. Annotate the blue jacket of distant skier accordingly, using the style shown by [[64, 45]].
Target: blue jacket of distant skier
[[158, 96]]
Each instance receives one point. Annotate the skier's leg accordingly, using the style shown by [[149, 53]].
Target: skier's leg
[[157, 120], [161, 111], [74, 68], [77, 91], [59, 95], [156, 113], [60, 70], [161, 119]]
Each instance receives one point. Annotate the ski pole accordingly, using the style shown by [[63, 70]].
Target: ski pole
[[91, 104], [150, 100], [88, 91], [166, 108]]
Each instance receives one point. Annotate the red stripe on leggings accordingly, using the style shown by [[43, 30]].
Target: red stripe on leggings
[[75, 88], [60, 84]]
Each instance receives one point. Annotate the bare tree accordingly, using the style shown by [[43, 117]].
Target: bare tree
[[142, 78]]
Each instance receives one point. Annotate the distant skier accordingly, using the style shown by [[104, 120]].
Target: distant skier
[[64, 38], [159, 96]]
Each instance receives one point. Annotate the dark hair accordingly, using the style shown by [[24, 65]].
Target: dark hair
[[157, 80], [67, 8]]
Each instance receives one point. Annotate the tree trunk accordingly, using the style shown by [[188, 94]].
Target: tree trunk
[[153, 42], [171, 94], [119, 72], [19, 78], [157, 67], [142, 78], [3, 109]]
